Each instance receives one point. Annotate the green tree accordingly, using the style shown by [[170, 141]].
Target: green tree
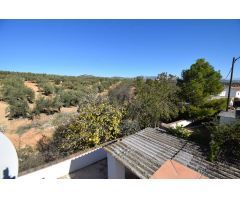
[[96, 123], [100, 88], [13, 88], [122, 94], [156, 101], [47, 89], [48, 106], [208, 110], [70, 98], [129, 127], [225, 141], [198, 85], [29, 95], [18, 108]]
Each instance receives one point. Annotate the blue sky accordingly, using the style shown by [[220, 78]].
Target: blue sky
[[117, 47]]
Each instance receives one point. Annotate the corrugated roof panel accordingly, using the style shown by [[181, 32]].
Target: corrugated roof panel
[[144, 152]]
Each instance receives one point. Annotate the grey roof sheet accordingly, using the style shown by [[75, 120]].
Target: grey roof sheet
[[145, 151]]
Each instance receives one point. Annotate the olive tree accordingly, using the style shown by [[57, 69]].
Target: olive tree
[[95, 124], [155, 101]]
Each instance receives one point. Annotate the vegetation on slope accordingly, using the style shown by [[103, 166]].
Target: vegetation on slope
[[131, 105]]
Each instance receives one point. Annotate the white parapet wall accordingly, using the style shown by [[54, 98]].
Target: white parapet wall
[[70, 165], [116, 170]]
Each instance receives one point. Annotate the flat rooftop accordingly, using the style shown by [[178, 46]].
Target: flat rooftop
[[147, 150]]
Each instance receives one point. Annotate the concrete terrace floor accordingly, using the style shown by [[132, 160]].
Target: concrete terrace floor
[[98, 170]]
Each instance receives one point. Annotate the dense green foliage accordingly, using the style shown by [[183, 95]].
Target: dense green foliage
[[18, 108], [47, 88], [199, 82], [109, 108], [48, 106], [225, 141], [198, 85], [17, 95], [61, 91], [156, 101], [207, 110], [13, 88], [95, 124], [122, 94], [129, 127], [70, 98], [180, 131], [29, 158]]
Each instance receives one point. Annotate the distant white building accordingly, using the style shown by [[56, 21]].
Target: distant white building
[[234, 93]]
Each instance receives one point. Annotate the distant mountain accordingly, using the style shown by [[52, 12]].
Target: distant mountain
[[233, 81]]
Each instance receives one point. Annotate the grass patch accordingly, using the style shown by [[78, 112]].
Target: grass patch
[[63, 118], [37, 125]]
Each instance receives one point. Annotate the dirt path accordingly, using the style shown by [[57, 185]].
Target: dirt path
[[34, 87], [105, 92], [69, 109], [10, 125], [29, 137], [23, 132]]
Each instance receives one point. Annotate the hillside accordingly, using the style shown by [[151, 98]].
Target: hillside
[[40, 120]]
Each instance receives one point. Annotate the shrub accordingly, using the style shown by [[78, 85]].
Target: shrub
[[129, 127], [2, 128], [70, 98], [13, 88], [29, 158], [180, 131], [121, 94], [48, 106], [68, 84], [35, 124], [63, 119], [156, 101], [225, 141], [18, 108], [100, 88], [96, 123], [29, 95], [47, 152], [47, 89], [208, 110]]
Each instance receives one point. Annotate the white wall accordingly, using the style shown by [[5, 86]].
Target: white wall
[[234, 93], [237, 94], [65, 167], [115, 169], [223, 93]]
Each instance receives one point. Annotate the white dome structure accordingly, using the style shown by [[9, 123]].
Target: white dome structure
[[8, 159]]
